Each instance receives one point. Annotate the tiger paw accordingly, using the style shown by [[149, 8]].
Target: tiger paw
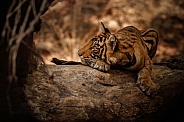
[[147, 86], [102, 66]]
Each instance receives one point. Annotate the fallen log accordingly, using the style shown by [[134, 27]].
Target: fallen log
[[80, 93]]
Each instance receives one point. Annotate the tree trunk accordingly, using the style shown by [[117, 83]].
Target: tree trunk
[[17, 36], [80, 93]]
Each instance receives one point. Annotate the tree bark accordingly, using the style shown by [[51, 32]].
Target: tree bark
[[14, 24], [80, 93]]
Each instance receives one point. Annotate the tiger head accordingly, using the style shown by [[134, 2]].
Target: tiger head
[[96, 48]]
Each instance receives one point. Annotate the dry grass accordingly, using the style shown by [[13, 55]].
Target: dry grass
[[68, 24]]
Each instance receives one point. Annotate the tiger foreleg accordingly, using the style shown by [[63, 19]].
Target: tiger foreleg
[[144, 79]]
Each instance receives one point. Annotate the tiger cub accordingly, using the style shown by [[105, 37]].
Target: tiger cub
[[128, 48]]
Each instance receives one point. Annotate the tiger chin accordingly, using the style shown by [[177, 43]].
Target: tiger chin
[[129, 48]]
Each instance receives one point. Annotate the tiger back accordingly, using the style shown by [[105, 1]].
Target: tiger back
[[128, 48]]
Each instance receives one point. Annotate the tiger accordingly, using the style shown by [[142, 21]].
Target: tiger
[[128, 48]]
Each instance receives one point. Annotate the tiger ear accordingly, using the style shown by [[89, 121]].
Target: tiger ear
[[111, 43], [150, 38], [103, 29]]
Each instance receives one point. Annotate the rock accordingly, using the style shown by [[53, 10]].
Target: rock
[[80, 93]]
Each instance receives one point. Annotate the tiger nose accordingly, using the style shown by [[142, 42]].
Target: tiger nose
[[80, 53]]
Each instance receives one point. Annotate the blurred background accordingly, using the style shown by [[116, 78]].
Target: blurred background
[[68, 24]]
